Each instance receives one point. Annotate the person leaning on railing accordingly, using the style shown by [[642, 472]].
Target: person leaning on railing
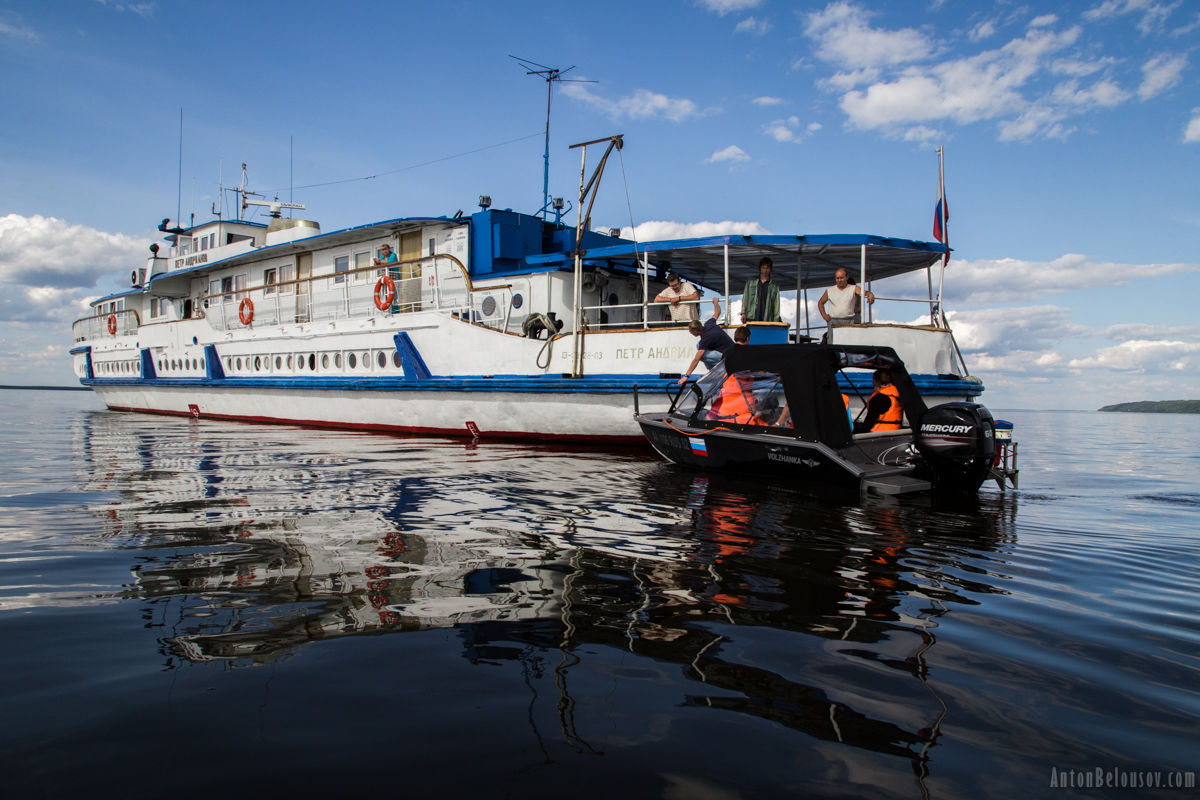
[[386, 256], [712, 345], [683, 298]]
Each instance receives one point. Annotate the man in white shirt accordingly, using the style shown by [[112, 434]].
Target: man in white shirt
[[683, 298], [841, 299]]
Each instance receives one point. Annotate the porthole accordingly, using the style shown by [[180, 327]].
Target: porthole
[[613, 299], [239, 364], [381, 359], [194, 364], [160, 366], [312, 362], [229, 363], [337, 360], [257, 364], [278, 362], [352, 361], [325, 361], [289, 362], [396, 359], [489, 306], [366, 360], [518, 300], [202, 363], [137, 368]]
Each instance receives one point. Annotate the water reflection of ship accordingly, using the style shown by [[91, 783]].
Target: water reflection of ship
[[269, 552]]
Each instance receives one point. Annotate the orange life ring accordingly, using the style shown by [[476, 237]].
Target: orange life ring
[[246, 311], [112, 324], [383, 299]]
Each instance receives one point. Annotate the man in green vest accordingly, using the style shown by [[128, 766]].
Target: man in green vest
[[760, 297]]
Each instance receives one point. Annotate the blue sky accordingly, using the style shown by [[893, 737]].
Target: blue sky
[[1072, 135]]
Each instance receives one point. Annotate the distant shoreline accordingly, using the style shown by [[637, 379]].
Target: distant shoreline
[[1157, 407], [51, 388]]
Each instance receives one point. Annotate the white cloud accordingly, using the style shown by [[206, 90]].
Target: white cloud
[[661, 230], [758, 27], [141, 9], [767, 101], [845, 38], [982, 31], [1192, 132], [981, 87], [1080, 69], [788, 130], [724, 7], [1161, 73], [1154, 14], [732, 153], [923, 135], [20, 32], [642, 104], [845, 81], [1005, 280], [45, 251], [1141, 355], [1043, 21]]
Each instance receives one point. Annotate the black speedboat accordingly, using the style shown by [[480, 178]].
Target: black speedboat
[[781, 410]]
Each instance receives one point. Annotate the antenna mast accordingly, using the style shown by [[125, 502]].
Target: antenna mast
[[551, 76]]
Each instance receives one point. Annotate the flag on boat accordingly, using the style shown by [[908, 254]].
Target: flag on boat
[[938, 232], [699, 448]]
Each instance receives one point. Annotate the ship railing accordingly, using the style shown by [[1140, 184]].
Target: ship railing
[[125, 323], [434, 283], [600, 317]]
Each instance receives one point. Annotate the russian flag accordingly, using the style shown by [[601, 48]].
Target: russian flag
[[938, 233], [699, 448]]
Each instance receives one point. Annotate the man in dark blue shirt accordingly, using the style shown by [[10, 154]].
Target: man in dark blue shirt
[[713, 342]]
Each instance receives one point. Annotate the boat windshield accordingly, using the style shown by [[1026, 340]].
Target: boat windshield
[[743, 398]]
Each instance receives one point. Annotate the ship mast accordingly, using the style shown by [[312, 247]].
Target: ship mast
[[551, 76]]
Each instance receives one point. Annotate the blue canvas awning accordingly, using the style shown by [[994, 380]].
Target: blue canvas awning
[[702, 260]]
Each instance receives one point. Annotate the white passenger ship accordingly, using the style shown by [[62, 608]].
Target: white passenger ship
[[495, 324]]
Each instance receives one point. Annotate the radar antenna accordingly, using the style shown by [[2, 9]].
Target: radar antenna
[[551, 76]]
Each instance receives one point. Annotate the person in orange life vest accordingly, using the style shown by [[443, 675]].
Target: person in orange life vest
[[736, 403], [785, 416], [884, 412]]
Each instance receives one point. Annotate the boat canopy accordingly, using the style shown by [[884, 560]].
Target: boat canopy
[[702, 260], [809, 375]]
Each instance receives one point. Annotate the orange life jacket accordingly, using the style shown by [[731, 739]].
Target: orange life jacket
[[890, 419], [734, 404]]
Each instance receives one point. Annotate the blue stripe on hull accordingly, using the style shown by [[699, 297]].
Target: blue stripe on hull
[[594, 384]]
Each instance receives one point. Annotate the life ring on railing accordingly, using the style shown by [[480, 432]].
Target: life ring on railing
[[112, 324], [246, 311], [385, 292]]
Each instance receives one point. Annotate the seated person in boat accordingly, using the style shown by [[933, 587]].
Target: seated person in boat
[[760, 297], [386, 256], [712, 345], [741, 335], [736, 404], [683, 298], [884, 412], [785, 415], [842, 299]]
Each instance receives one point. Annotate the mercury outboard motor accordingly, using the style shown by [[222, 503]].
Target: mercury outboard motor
[[958, 443]]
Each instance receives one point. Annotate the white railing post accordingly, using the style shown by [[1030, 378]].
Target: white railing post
[[727, 314], [862, 285]]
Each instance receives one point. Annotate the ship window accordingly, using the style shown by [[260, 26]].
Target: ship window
[[289, 362], [214, 288], [226, 288], [203, 243], [341, 265], [381, 359], [278, 362], [366, 360], [312, 361], [239, 285], [337, 360], [352, 361], [153, 308], [202, 363], [239, 364], [269, 276], [396, 360], [325, 361], [257, 364], [287, 273], [361, 262]]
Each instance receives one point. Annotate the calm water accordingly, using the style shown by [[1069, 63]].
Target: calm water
[[194, 609]]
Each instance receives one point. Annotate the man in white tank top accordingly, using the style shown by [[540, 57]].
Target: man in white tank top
[[841, 299]]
